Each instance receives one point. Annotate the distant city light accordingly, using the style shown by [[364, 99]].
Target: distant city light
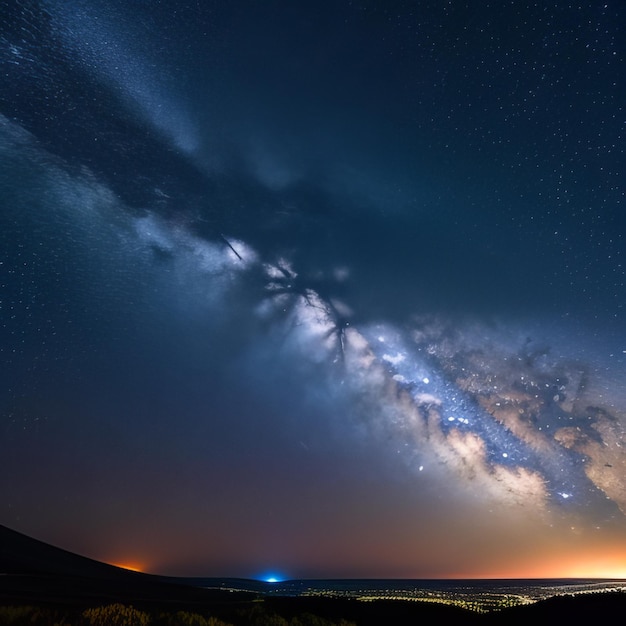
[[128, 566], [271, 578]]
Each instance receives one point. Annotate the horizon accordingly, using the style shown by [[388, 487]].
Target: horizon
[[278, 579], [332, 289]]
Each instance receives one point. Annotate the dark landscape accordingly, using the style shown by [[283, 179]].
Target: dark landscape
[[43, 584]]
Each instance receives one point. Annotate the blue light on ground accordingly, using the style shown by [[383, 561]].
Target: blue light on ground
[[271, 578]]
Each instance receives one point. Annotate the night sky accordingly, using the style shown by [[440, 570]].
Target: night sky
[[315, 289]]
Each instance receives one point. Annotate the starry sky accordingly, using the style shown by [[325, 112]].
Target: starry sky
[[315, 289]]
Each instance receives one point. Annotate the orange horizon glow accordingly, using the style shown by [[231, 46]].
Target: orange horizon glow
[[591, 564], [588, 566], [582, 572], [597, 570], [132, 567]]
